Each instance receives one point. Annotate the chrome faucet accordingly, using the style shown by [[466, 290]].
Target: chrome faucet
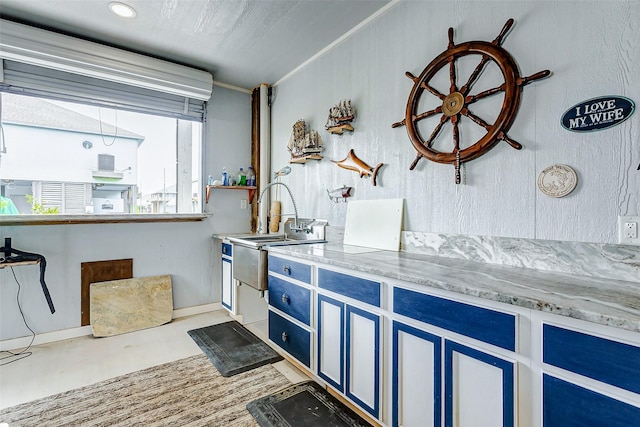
[[296, 227]]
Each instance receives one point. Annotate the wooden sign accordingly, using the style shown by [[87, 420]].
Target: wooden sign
[[598, 114]]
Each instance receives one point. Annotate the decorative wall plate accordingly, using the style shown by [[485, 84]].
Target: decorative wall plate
[[557, 180], [456, 103]]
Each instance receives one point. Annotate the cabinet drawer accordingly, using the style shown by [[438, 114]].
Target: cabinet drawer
[[295, 270], [291, 299], [611, 362], [353, 287], [483, 324], [291, 338], [227, 249], [569, 405]]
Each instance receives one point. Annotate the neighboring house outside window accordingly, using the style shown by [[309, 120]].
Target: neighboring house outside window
[[75, 163]]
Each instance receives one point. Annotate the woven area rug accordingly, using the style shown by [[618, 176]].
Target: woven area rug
[[188, 392], [232, 348]]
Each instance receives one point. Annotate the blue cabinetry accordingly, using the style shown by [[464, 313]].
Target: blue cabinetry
[[479, 387], [416, 377], [604, 360], [290, 269], [291, 299], [349, 337], [290, 337], [227, 299], [290, 320], [331, 341], [490, 326], [567, 403]]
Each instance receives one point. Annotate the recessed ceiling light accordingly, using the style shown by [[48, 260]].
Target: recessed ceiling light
[[121, 9]]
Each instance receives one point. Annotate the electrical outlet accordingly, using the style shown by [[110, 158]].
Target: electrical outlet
[[628, 230], [243, 204]]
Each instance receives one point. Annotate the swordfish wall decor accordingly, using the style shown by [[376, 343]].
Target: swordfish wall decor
[[459, 99]]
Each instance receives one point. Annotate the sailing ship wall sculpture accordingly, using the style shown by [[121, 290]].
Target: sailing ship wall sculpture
[[340, 117], [304, 145]]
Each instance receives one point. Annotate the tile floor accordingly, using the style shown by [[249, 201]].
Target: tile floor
[[65, 365]]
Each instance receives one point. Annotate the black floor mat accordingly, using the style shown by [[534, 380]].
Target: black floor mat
[[232, 348], [305, 404]]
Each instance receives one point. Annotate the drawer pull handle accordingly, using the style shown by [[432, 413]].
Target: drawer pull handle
[[285, 298], [286, 270], [284, 337]]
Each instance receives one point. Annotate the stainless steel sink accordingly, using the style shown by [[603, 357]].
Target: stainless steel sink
[[250, 256], [270, 240]]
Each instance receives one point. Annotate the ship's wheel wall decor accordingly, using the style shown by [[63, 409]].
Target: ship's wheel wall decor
[[458, 102]]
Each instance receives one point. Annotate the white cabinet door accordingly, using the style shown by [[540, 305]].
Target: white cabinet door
[[416, 374], [479, 388], [349, 352], [227, 284], [331, 341], [363, 359]]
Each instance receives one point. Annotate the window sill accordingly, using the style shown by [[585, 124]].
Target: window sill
[[97, 219]]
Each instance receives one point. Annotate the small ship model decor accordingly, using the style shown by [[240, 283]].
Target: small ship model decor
[[340, 117], [304, 145], [352, 162]]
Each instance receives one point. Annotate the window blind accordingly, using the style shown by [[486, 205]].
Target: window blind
[[26, 79], [47, 64]]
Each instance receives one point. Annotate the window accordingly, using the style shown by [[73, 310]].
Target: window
[[60, 157], [91, 129]]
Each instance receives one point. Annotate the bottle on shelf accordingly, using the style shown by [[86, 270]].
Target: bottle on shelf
[[251, 177], [225, 176], [242, 178]]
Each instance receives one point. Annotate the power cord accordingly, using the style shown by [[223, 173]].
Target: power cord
[[25, 352]]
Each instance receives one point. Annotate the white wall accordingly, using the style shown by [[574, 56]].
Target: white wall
[[592, 49], [184, 250], [61, 157]]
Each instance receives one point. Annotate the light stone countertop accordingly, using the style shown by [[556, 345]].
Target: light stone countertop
[[609, 302]]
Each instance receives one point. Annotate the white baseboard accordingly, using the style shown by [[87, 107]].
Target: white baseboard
[[197, 309], [45, 338], [65, 334]]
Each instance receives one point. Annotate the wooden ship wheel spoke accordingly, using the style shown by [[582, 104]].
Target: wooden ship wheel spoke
[[455, 105]]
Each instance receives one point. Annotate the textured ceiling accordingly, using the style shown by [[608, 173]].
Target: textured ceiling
[[242, 42]]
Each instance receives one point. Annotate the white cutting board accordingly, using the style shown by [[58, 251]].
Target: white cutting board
[[374, 223]]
